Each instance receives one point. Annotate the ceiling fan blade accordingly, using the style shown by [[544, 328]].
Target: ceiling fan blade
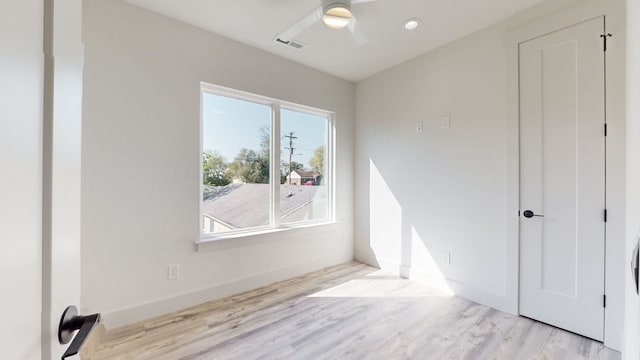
[[356, 31], [300, 25]]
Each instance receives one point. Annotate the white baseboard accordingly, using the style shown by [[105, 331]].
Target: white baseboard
[[469, 292], [480, 296], [150, 310], [153, 309]]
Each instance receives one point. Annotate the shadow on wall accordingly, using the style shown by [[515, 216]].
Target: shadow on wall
[[396, 242]]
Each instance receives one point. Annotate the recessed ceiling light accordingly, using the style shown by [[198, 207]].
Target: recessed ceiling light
[[411, 24]]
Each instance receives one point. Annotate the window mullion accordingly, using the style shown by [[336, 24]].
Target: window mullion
[[275, 165], [227, 172], [330, 167], [200, 159]]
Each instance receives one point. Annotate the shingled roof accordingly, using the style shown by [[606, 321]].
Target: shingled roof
[[247, 205]]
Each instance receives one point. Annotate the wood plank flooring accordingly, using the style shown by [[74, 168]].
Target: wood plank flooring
[[350, 311]]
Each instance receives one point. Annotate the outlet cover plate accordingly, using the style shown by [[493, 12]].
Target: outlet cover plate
[[173, 272]]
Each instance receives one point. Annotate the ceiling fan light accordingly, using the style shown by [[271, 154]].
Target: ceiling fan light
[[336, 16], [336, 22]]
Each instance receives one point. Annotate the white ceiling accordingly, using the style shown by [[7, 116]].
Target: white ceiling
[[257, 22]]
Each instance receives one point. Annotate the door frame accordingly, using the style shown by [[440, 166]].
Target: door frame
[[614, 15], [587, 308], [63, 55]]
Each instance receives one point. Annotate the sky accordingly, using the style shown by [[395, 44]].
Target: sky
[[230, 125]]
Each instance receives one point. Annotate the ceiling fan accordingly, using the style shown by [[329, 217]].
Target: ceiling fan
[[335, 14]]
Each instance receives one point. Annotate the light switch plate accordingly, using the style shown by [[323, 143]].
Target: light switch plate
[[446, 122]]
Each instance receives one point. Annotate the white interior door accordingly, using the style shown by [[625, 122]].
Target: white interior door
[[562, 178]]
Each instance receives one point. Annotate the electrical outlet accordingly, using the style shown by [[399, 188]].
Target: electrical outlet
[[173, 272], [419, 126]]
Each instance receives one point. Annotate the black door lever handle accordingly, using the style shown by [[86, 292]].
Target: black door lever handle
[[635, 263], [529, 214], [69, 323]]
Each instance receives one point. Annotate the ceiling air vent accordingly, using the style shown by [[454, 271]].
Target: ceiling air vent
[[294, 44]]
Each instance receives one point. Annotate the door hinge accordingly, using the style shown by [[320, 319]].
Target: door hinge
[[604, 300], [606, 215], [606, 129], [604, 38]]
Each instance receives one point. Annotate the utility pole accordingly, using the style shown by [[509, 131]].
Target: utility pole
[[290, 148]]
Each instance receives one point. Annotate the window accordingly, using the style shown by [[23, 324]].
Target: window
[[304, 150], [266, 164]]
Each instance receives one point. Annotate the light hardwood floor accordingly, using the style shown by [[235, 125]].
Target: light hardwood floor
[[350, 311]]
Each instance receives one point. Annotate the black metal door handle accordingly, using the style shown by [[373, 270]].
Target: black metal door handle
[[529, 214], [69, 323], [635, 264]]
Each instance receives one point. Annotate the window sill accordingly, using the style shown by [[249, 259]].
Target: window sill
[[213, 243]]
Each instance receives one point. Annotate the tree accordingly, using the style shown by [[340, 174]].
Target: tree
[[265, 140], [294, 166], [214, 168], [317, 160], [250, 167]]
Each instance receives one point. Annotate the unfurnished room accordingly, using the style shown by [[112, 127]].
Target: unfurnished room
[[319, 179]]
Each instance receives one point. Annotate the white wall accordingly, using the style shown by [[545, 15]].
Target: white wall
[[455, 190], [632, 319], [442, 190], [140, 164], [21, 74]]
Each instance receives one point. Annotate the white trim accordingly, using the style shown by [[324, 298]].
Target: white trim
[[461, 289], [260, 99], [235, 233], [140, 312], [200, 179], [512, 245], [575, 14], [231, 240], [274, 171], [237, 94], [274, 166], [331, 166], [390, 265], [216, 220]]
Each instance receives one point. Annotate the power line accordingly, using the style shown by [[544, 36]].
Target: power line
[[291, 149]]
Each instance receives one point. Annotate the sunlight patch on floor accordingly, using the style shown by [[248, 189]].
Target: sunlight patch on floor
[[380, 284]]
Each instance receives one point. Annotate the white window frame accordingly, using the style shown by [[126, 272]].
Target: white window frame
[[274, 162]]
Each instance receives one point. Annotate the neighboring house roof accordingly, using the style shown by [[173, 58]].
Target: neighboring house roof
[[306, 174], [247, 205]]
